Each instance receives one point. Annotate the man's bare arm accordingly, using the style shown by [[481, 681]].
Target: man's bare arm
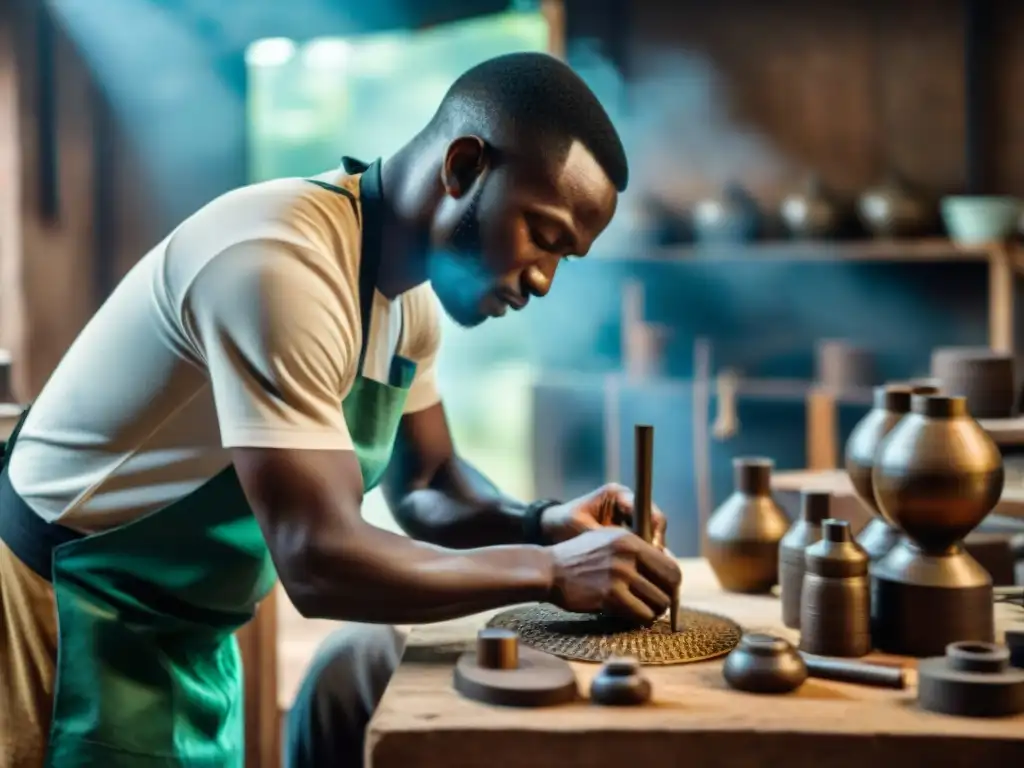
[[439, 498], [335, 565]]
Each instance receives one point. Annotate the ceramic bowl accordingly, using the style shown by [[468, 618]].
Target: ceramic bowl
[[979, 219]]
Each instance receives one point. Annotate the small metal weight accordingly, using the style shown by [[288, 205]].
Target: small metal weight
[[620, 683], [764, 664], [972, 680]]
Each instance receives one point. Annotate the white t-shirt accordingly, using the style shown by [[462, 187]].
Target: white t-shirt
[[241, 329]]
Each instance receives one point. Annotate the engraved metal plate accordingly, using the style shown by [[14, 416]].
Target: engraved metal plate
[[584, 637]]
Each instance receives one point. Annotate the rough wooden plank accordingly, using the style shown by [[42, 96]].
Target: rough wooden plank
[[257, 642], [694, 720]]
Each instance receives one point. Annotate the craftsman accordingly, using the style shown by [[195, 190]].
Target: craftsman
[[219, 420]]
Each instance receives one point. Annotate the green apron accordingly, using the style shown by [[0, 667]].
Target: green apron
[[148, 670]]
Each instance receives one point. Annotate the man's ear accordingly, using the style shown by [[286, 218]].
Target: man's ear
[[464, 161]]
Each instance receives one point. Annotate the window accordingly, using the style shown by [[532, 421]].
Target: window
[[366, 96]]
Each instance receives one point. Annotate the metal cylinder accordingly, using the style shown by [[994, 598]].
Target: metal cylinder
[[642, 502], [855, 672], [752, 476], [497, 649], [835, 615], [814, 509]]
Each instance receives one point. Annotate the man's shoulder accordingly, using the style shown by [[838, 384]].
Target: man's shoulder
[[311, 212], [284, 225]]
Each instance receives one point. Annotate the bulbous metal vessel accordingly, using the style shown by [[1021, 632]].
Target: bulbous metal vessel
[[764, 664], [937, 475], [891, 403], [743, 534]]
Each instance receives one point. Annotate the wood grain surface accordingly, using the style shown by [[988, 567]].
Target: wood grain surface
[[694, 719]]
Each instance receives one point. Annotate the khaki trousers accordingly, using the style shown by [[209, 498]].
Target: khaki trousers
[[28, 657]]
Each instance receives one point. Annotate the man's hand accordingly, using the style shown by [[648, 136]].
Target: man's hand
[[609, 505], [614, 571]]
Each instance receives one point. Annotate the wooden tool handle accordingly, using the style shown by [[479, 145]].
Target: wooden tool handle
[[644, 446]]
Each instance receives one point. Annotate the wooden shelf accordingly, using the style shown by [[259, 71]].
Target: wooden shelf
[[923, 250], [1006, 432], [785, 390]]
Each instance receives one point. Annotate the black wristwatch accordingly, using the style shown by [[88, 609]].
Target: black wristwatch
[[532, 533]]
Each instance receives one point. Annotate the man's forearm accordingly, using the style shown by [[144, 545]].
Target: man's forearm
[[369, 575], [461, 509]]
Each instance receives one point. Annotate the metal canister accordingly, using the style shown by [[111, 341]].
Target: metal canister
[[814, 509], [835, 609]]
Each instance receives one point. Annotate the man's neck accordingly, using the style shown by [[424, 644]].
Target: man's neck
[[411, 190]]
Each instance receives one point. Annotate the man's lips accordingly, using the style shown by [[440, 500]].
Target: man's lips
[[512, 298]]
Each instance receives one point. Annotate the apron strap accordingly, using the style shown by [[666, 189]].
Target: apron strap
[[370, 220], [371, 197], [26, 534], [8, 446]]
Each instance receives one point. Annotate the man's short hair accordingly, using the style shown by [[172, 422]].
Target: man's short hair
[[542, 103]]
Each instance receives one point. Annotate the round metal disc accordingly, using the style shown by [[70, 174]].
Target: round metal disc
[[969, 694], [585, 637], [539, 680]]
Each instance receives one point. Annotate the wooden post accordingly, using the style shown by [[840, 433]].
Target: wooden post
[[701, 396], [554, 13], [1000, 297], [12, 308], [822, 438], [257, 642]]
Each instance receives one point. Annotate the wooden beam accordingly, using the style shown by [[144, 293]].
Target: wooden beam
[[1001, 279], [12, 306], [822, 440], [257, 642]]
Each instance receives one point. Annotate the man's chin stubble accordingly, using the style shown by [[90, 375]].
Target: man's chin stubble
[[467, 319]]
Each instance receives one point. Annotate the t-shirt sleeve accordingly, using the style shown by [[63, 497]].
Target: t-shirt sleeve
[[277, 337], [423, 320]]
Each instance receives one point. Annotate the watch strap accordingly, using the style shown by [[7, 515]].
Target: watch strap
[[532, 533]]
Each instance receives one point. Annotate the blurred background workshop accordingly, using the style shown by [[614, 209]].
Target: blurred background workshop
[[824, 198]]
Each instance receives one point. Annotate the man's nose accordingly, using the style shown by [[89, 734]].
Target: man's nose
[[538, 277]]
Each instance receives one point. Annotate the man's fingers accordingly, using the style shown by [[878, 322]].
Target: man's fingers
[[622, 507], [655, 598], [625, 504], [658, 568], [623, 603], [660, 524]]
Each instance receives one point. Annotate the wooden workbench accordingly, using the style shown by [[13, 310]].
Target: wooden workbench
[[695, 719]]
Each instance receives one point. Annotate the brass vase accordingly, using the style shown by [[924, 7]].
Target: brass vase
[[812, 212], [937, 474], [743, 534], [892, 209], [891, 403]]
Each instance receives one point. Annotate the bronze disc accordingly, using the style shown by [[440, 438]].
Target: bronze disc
[[586, 637], [538, 680]]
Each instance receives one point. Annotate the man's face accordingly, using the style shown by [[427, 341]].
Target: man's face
[[502, 231]]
